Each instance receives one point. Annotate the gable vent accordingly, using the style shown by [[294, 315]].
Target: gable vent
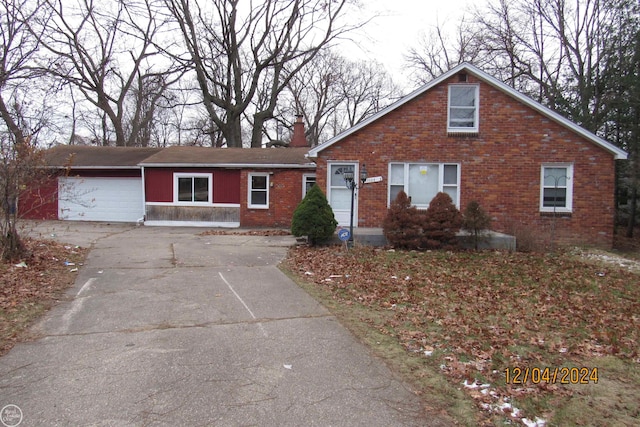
[[462, 77]]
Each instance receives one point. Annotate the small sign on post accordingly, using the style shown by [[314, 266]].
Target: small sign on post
[[344, 234]]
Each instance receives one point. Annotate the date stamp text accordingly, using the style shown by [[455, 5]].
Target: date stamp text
[[553, 375]]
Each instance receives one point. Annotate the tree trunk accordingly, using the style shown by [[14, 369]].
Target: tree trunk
[[232, 131], [633, 203], [258, 123]]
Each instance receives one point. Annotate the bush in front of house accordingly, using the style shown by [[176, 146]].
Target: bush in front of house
[[441, 221], [402, 226], [314, 217], [475, 221]]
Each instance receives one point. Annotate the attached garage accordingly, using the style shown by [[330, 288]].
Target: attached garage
[[100, 199], [90, 184]]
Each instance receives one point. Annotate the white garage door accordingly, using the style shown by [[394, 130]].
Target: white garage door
[[100, 199]]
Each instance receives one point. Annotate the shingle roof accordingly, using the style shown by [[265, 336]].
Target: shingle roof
[[91, 157], [230, 157]]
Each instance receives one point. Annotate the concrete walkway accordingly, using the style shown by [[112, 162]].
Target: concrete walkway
[[168, 327]]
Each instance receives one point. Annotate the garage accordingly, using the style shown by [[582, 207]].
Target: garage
[[113, 199]]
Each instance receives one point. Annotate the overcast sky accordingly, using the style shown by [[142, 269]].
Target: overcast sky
[[398, 28]]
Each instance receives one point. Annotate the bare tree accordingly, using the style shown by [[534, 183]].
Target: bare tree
[[20, 160], [333, 93], [108, 52], [244, 54], [438, 51]]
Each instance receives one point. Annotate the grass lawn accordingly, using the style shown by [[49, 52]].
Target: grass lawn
[[492, 338]]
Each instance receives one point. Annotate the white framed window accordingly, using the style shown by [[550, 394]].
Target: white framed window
[[192, 188], [308, 181], [258, 191], [556, 188], [422, 181], [463, 108]]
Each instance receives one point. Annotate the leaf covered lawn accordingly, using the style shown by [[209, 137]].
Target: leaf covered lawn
[[31, 285], [475, 315]]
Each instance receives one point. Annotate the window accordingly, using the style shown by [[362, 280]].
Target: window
[[422, 181], [463, 108], [259, 190], [556, 192], [192, 188], [308, 181]]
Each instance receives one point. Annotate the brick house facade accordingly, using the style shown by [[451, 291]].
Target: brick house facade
[[475, 138]]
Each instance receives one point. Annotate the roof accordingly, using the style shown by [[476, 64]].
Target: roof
[[95, 157], [92, 157], [230, 157], [617, 153]]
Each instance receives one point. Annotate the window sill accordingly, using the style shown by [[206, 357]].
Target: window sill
[[556, 214], [462, 134]]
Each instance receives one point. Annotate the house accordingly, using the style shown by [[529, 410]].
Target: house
[[475, 138], [465, 134], [192, 186], [232, 187]]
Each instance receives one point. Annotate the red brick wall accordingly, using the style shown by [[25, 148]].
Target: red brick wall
[[285, 193], [500, 166]]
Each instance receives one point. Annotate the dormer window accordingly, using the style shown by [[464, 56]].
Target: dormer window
[[463, 108]]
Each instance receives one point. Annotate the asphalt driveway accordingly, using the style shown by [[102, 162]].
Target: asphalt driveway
[[165, 326]]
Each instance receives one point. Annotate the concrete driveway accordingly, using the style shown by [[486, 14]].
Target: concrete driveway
[[168, 327]]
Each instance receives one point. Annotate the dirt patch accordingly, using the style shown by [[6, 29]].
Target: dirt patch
[[30, 286]]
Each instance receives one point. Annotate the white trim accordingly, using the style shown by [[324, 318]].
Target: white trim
[[144, 194], [192, 224], [304, 182], [569, 177], [617, 153], [250, 189], [342, 215], [211, 205], [476, 111], [178, 175]]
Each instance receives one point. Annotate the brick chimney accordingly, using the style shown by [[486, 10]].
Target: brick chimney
[[298, 139]]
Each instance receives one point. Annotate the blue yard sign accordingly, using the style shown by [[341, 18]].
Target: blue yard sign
[[343, 234]]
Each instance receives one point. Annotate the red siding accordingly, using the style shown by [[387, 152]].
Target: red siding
[[114, 173], [226, 186], [159, 184], [500, 166], [41, 202]]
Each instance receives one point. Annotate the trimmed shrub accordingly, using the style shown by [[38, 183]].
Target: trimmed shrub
[[475, 221], [401, 226], [442, 220], [314, 217]]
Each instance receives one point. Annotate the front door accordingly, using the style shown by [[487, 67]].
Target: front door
[[339, 195]]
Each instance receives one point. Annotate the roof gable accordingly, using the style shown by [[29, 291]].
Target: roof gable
[[617, 153]]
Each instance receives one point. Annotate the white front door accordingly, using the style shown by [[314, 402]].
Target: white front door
[[339, 195]]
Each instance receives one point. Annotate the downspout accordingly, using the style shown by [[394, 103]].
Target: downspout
[[144, 199]]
